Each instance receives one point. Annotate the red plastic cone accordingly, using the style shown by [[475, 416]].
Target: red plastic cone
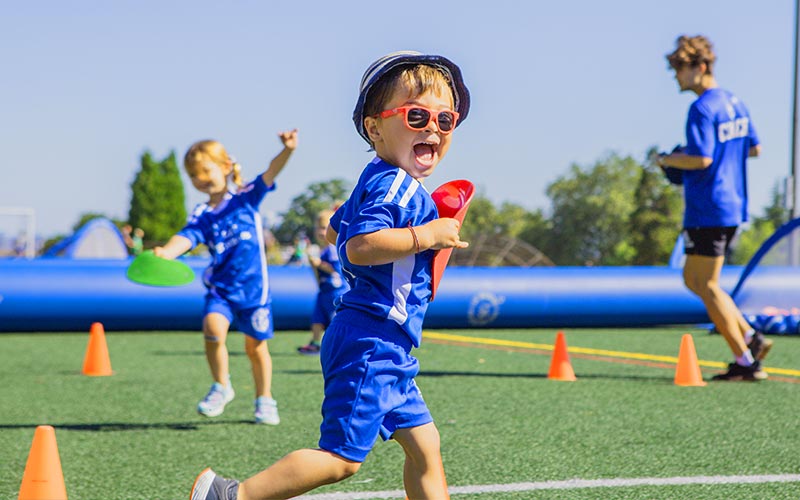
[[43, 478], [96, 362], [688, 371], [560, 366]]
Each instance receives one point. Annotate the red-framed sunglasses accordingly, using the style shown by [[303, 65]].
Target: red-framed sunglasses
[[417, 117]]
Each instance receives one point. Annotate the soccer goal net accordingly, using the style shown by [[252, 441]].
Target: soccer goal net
[[17, 232]]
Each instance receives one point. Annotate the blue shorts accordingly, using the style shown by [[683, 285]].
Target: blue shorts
[[254, 322], [369, 384], [324, 308]]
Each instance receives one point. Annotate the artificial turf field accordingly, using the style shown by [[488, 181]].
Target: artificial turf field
[[623, 427]]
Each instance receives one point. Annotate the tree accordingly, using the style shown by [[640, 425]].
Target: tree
[[750, 240], [303, 210], [590, 213], [157, 200], [656, 221]]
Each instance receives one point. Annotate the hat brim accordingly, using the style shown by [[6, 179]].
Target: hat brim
[[386, 64]]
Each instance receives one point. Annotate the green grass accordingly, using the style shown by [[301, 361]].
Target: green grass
[[135, 435]]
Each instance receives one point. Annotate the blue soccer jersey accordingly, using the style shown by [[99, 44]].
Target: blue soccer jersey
[[233, 232], [330, 282], [387, 197], [718, 127]]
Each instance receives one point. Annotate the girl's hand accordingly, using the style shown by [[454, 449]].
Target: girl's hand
[[289, 139]]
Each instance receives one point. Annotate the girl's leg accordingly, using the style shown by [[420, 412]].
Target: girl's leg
[[261, 364], [297, 473], [215, 332], [423, 473]]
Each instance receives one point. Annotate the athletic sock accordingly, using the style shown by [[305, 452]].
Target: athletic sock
[[748, 336], [746, 359]]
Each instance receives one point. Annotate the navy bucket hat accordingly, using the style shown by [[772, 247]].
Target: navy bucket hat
[[382, 66]]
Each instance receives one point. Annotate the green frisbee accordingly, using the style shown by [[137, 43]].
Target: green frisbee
[[147, 269]]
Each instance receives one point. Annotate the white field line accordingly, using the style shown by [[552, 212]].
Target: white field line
[[569, 484]]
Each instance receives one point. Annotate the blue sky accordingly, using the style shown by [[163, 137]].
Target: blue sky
[[88, 86]]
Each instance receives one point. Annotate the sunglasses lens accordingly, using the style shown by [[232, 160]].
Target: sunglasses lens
[[418, 118], [446, 121]]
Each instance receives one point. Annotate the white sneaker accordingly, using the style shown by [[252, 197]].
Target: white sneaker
[[267, 411], [216, 399]]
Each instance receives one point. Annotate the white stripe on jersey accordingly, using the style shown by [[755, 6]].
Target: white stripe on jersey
[[409, 193], [395, 187], [402, 270], [263, 255]]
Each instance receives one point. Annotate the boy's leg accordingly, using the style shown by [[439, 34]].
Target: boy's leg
[[313, 347], [423, 473], [297, 473], [316, 332], [701, 275]]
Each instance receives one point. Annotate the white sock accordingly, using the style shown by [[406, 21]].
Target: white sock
[[746, 359], [748, 336]]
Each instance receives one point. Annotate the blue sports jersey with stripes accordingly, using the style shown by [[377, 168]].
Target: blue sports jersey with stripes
[[330, 282], [387, 197], [718, 127], [233, 232]]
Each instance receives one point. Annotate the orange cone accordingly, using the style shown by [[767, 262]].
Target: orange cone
[[560, 367], [96, 362], [688, 371], [43, 479]]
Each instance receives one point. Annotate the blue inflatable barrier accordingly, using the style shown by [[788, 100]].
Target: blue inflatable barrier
[[69, 295]]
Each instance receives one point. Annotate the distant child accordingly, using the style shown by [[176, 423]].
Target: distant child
[[386, 234], [137, 241], [328, 271], [230, 225]]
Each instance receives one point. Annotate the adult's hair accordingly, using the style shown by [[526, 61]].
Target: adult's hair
[[692, 51]]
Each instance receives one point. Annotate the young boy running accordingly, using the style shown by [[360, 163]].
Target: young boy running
[[385, 233]]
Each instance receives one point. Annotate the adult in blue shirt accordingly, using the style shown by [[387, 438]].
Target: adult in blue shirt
[[720, 137]]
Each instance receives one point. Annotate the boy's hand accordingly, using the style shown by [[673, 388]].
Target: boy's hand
[[442, 233], [289, 139]]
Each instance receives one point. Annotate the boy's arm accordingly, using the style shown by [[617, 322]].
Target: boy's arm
[[389, 245], [331, 235], [319, 264], [289, 140], [175, 247]]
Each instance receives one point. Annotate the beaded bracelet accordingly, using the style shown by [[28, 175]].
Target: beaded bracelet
[[414, 234]]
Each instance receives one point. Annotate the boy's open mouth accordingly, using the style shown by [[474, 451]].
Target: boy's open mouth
[[425, 153]]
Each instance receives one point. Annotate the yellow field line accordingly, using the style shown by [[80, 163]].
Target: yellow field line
[[586, 350]]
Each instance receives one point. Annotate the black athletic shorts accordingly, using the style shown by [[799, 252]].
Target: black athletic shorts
[[708, 241]]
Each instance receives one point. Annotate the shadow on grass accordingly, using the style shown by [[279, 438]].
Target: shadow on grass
[[424, 373], [541, 375], [231, 353], [193, 353], [124, 426]]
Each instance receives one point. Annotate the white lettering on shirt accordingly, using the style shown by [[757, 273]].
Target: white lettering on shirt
[[733, 129]]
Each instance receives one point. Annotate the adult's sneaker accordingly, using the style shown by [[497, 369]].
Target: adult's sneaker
[[739, 373], [267, 411], [210, 486], [759, 346], [214, 403]]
